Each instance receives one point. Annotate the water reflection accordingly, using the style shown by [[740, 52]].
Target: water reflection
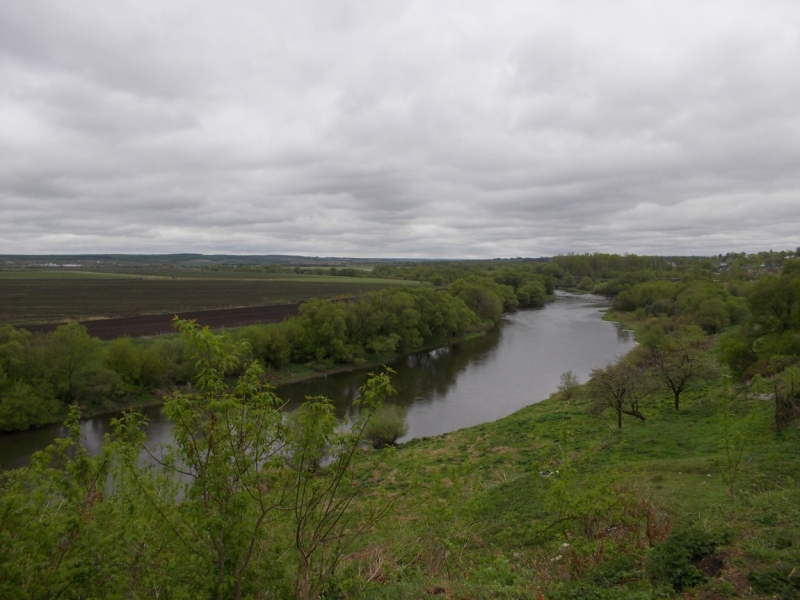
[[421, 377], [479, 380]]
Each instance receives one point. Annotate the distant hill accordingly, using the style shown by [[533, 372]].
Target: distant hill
[[197, 260]]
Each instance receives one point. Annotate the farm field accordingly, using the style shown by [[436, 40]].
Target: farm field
[[161, 324], [186, 273], [43, 299], [60, 274], [162, 273]]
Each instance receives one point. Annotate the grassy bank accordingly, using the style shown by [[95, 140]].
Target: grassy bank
[[554, 500]]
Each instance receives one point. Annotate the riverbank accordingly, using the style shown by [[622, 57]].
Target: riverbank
[[295, 373], [441, 390], [554, 502], [292, 373]]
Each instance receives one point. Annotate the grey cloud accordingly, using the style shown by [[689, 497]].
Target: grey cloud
[[394, 129]]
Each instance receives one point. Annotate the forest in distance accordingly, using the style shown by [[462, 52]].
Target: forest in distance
[[671, 473]]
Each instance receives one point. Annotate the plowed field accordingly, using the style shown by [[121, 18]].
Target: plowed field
[[38, 301], [108, 329]]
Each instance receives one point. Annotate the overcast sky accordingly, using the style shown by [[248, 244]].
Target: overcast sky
[[430, 129]]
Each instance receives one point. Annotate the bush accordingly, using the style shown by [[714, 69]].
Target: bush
[[624, 302], [569, 384], [97, 385], [125, 360], [737, 353], [532, 294], [24, 406], [579, 590], [780, 581], [712, 315], [672, 561], [386, 426], [169, 360]]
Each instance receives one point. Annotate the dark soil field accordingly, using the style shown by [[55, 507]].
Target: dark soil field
[[109, 329], [29, 301]]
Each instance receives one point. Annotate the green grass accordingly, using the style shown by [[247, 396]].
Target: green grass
[[490, 496]]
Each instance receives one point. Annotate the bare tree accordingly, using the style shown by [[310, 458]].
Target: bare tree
[[678, 362], [620, 387]]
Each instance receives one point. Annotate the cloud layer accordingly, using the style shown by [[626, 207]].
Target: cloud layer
[[438, 129]]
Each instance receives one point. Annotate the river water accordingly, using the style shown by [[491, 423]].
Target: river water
[[479, 380]]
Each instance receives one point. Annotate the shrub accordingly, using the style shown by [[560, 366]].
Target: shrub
[[123, 357], [569, 384], [672, 561], [96, 385], [579, 590], [24, 406], [386, 426], [780, 581], [532, 294], [624, 302]]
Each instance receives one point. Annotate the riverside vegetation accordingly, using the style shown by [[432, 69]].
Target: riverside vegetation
[[42, 374], [672, 472]]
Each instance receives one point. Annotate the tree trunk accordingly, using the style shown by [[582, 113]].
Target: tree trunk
[[303, 587], [619, 419], [635, 413], [677, 400]]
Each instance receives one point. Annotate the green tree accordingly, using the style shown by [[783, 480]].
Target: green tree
[[227, 456], [67, 351], [122, 357], [14, 354], [243, 483], [24, 405], [712, 315], [482, 300], [532, 294], [327, 481], [61, 533]]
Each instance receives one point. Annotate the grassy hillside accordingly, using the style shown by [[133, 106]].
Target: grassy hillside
[[560, 500], [554, 500]]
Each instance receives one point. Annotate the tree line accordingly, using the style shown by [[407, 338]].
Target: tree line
[[758, 321], [42, 374]]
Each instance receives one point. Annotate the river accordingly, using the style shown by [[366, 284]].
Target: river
[[480, 380]]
